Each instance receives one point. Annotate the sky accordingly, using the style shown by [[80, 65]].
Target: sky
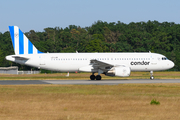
[[39, 14]]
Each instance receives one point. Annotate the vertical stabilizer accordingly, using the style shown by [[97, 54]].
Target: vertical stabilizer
[[21, 44]]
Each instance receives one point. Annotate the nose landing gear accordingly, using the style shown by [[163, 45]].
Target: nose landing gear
[[152, 77]]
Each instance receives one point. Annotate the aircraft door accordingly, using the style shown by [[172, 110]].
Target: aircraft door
[[42, 60], [153, 60]]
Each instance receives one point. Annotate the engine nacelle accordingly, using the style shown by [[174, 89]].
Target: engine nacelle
[[121, 71]]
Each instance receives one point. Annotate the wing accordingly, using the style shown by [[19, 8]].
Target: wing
[[96, 64]]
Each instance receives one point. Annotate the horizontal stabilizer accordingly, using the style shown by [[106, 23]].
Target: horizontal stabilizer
[[20, 57]]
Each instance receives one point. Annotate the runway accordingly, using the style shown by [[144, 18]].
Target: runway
[[85, 82]]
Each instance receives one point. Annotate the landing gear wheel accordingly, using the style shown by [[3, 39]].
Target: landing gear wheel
[[92, 77], [152, 77], [151, 73], [98, 77]]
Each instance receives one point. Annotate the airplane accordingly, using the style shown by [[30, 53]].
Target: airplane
[[111, 64]]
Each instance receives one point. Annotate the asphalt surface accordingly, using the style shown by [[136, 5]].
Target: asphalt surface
[[85, 82]]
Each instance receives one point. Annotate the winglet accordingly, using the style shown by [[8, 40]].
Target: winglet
[[20, 42]]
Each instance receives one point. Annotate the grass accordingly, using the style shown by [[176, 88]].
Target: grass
[[154, 102], [90, 102], [85, 76]]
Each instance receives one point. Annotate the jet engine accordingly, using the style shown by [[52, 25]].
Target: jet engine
[[121, 71]]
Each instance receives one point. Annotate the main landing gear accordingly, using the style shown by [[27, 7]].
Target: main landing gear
[[93, 77], [152, 77]]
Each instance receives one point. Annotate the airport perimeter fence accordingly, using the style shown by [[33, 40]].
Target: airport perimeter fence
[[28, 72]]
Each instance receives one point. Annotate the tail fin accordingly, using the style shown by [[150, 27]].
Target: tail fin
[[20, 42]]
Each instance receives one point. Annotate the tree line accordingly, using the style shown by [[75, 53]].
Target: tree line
[[163, 38]]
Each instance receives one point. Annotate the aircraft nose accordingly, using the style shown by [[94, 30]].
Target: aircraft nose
[[171, 64]]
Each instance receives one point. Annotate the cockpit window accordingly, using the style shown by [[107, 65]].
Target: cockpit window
[[164, 58]]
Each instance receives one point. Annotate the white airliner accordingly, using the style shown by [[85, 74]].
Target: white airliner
[[110, 64]]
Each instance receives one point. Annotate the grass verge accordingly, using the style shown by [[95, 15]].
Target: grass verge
[[85, 76], [87, 102]]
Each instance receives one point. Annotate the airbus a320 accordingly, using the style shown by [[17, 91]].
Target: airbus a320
[[110, 64]]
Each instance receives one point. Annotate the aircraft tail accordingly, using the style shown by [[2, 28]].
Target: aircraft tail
[[21, 44]]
